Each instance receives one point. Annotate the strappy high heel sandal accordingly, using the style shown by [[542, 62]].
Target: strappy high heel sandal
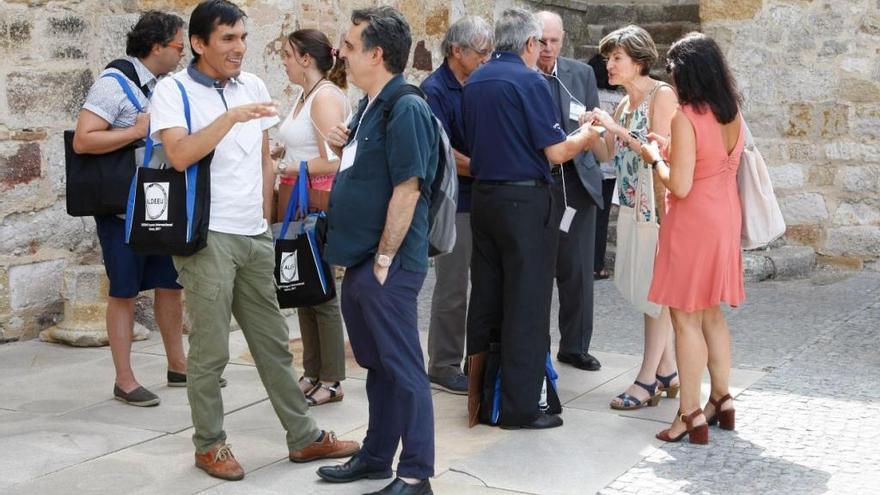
[[696, 434], [631, 403], [726, 420], [665, 385], [335, 394]]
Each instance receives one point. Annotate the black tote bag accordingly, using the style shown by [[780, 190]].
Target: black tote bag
[[98, 184], [302, 278], [168, 211]]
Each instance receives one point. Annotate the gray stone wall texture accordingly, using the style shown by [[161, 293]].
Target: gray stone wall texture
[[809, 70], [810, 74]]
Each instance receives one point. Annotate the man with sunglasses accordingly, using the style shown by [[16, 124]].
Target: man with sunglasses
[[578, 185], [108, 121], [514, 135], [466, 46]]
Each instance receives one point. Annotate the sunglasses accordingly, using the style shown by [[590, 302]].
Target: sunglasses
[[174, 44]]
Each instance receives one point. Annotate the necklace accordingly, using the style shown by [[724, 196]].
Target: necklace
[[304, 96]]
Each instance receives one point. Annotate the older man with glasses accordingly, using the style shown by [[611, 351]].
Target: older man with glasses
[[514, 135], [466, 47], [577, 188]]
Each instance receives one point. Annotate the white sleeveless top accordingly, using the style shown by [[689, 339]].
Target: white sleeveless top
[[298, 132]]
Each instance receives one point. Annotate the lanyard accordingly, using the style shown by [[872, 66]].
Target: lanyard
[[361, 120]]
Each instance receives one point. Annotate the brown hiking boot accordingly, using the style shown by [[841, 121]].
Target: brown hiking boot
[[220, 463], [328, 447]]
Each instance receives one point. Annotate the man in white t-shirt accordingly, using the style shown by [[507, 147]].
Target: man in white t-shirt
[[231, 113]]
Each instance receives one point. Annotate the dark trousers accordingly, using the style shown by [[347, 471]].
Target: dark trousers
[[602, 224], [382, 323], [449, 304], [574, 264], [511, 288]]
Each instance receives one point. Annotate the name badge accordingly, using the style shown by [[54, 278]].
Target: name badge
[[348, 154], [575, 110], [567, 217]]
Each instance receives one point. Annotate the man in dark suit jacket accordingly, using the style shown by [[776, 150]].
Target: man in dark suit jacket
[[579, 187]]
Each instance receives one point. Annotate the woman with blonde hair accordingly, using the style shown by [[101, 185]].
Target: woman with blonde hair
[[311, 62], [647, 107], [699, 261]]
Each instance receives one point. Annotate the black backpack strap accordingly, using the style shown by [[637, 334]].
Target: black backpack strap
[[406, 89], [127, 68]]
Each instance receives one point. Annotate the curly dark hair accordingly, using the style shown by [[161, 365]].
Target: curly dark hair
[[387, 29], [702, 77], [152, 28]]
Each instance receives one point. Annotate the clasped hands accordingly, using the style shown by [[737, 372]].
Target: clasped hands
[[651, 151]]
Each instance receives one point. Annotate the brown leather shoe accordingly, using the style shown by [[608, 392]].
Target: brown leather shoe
[[220, 463], [328, 447]]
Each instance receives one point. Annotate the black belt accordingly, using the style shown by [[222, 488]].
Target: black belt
[[523, 183], [558, 169]]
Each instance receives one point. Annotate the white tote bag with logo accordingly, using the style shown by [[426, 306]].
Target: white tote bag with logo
[[637, 248], [762, 221]]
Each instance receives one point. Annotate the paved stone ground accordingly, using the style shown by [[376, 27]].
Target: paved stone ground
[[809, 426], [806, 375]]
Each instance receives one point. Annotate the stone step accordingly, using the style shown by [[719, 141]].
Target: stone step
[[621, 13]]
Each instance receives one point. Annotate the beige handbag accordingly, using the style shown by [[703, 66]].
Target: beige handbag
[[637, 248], [762, 221]]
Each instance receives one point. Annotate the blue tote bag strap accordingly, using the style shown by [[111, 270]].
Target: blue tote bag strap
[[297, 206], [292, 206], [192, 172], [123, 81]]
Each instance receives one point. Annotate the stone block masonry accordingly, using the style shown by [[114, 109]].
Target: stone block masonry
[[810, 75], [50, 54], [809, 71]]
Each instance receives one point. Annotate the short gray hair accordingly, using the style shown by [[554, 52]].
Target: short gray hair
[[514, 28], [468, 32]]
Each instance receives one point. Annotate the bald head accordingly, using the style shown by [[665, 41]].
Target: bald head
[[550, 19], [553, 36]]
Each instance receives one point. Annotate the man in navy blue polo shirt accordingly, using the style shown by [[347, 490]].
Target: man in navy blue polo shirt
[[466, 46], [378, 227], [514, 134]]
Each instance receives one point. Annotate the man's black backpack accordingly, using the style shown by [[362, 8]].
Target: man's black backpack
[[98, 184], [444, 189]]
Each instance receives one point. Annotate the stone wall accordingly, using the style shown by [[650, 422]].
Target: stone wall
[[50, 53], [810, 74]]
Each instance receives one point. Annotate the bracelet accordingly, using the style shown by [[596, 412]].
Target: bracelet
[[656, 162]]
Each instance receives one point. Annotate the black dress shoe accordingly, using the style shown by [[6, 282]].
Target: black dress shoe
[[354, 469], [542, 422], [582, 361], [400, 487]]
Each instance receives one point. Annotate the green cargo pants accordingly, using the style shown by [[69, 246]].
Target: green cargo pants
[[233, 275]]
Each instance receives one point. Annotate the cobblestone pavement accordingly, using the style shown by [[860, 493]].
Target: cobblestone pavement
[[812, 425]]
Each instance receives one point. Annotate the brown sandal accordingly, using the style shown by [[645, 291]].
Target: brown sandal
[[726, 420], [335, 395], [312, 384], [696, 434]]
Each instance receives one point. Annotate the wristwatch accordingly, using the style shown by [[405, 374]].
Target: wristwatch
[[655, 162], [383, 260], [282, 166]]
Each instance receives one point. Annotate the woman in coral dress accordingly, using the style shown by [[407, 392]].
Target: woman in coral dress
[[699, 262]]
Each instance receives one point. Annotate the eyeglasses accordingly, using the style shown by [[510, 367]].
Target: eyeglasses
[[542, 41], [174, 44], [482, 53]]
